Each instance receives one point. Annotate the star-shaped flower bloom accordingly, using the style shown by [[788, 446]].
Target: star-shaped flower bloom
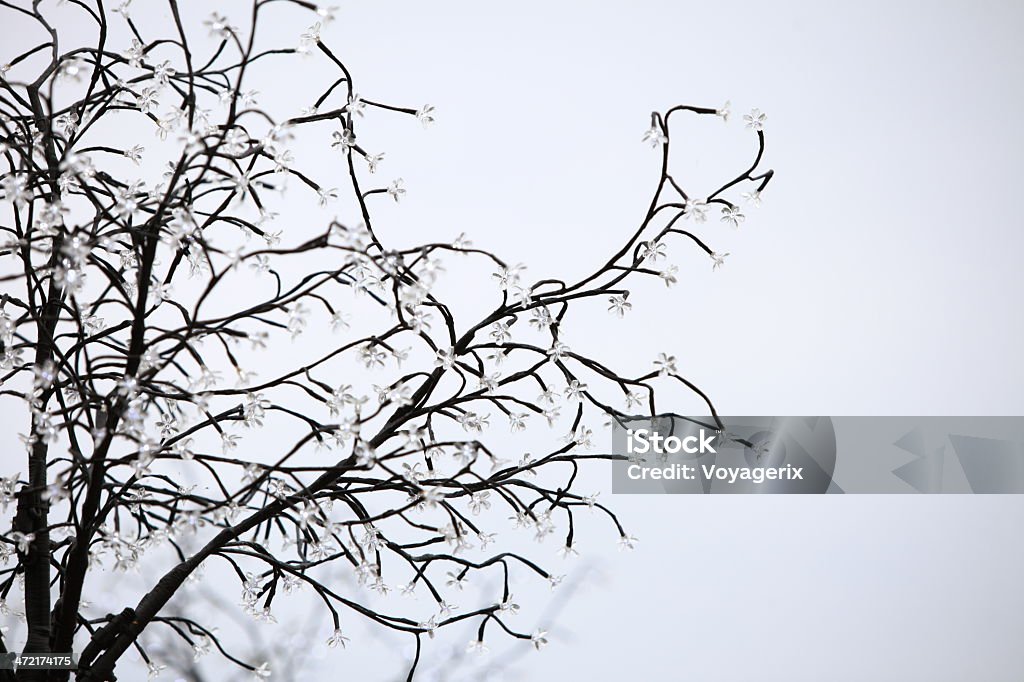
[[668, 275], [575, 390], [201, 647], [732, 215], [23, 541], [652, 251], [15, 189], [724, 111], [325, 195], [311, 35], [558, 351], [655, 136], [568, 552], [343, 140], [500, 332], [373, 160], [489, 383], [619, 306], [162, 73], [134, 153], [147, 100], [666, 364], [135, 53], [627, 542], [517, 421], [696, 209], [634, 399], [219, 26], [478, 503], [445, 358], [396, 190], [337, 639], [355, 105], [425, 115], [755, 119]]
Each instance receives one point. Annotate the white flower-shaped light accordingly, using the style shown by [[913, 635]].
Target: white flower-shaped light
[[627, 542], [343, 140], [337, 639], [654, 136], [396, 190], [373, 160], [668, 275], [732, 215], [666, 364], [696, 209], [425, 115], [755, 119], [355, 105], [724, 111], [619, 306]]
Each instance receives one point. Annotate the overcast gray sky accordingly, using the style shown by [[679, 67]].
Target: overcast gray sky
[[881, 276]]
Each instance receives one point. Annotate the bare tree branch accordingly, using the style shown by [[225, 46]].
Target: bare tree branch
[[124, 303]]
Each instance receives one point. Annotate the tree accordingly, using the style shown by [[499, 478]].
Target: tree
[[123, 305]]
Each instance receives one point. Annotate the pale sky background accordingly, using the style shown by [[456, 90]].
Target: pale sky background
[[881, 276]]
